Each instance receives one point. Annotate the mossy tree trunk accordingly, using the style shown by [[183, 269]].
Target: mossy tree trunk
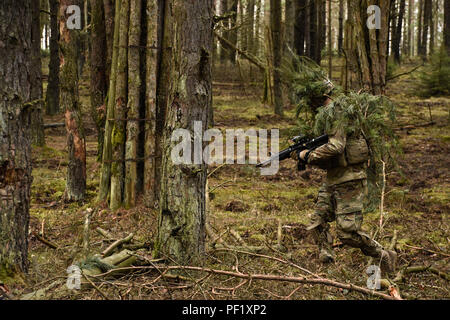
[[108, 7], [76, 143], [98, 71], [105, 174], [119, 130], [134, 90], [52, 94], [37, 121], [15, 152], [181, 232]]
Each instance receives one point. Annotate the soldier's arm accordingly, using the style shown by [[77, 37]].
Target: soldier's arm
[[334, 147]]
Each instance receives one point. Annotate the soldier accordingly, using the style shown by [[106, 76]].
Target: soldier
[[341, 197]]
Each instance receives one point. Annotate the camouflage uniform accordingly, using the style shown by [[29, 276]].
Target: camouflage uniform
[[341, 198]]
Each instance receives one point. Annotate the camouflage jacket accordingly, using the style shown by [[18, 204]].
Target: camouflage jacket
[[332, 157]]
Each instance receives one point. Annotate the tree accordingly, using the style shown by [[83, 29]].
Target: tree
[[52, 94], [398, 32], [275, 24], [76, 143], [299, 28], [289, 23], [181, 232], [427, 15], [447, 25], [37, 122], [15, 152], [98, 69], [366, 62], [341, 26]]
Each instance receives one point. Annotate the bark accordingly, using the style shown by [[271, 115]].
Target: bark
[[398, 32], [151, 135], [447, 25], [98, 71], [330, 44], [410, 49], [76, 144], [37, 122], [108, 6], [15, 151], [341, 26], [134, 90], [299, 29], [275, 21], [365, 66], [223, 11], [181, 232], [427, 13], [313, 37], [251, 25], [233, 34], [118, 132], [52, 94], [105, 175], [420, 28], [289, 23]]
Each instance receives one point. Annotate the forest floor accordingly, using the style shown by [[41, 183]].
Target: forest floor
[[417, 204]]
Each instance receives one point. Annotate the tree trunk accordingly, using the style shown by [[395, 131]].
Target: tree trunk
[[52, 95], [330, 44], [151, 134], [275, 22], [223, 11], [398, 32], [251, 25], [134, 90], [15, 151], [181, 233], [365, 66], [341, 26], [289, 24], [299, 30], [313, 37], [76, 144], [420, 28], [120, 112], [410, 51], [427, 11], [37, 122], [105, 175], [447, 25], [108, 7], [98, 71], [233, 34]]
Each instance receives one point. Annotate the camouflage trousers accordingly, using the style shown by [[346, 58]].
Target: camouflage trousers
[[342, 203]]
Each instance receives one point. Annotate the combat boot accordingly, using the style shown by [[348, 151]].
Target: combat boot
[[326, 256], [388, 261]]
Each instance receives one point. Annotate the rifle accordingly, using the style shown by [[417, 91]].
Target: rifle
[[300, 143]]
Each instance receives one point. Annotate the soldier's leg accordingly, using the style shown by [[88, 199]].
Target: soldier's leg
[[349, 218], [319, 225]]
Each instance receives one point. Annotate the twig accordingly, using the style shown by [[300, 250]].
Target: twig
[[117, 243], [267, 277], [95, 287], [404, 73], [87, 223], [45, 241], [428, 250]]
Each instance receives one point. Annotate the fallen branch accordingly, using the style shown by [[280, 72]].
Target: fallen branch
[[417, 269], [117, 243], [45, 241], [266, 277]]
